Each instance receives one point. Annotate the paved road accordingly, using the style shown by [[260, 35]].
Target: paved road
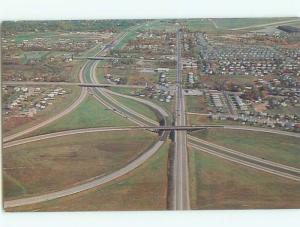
[[181, 177], [246, 157], [94, 181], [64, 133], [91, 183], [32, 83], [74, 105], [246, 163], [101, 129], [119, 108]]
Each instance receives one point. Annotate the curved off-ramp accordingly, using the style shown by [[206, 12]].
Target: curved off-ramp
[[73, 106], [91, 183]]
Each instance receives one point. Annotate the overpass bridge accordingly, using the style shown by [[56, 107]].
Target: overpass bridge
[[112, 58], [176, 128]]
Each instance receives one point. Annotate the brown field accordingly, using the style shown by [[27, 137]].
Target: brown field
[[142, 189], [54, 164], [220, 184]]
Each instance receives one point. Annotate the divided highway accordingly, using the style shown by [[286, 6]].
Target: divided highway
[[181, 199], [181, 177], [245, 159], [89, 73]]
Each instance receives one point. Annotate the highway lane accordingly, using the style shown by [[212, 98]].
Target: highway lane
[[90, 183], [111, 103], [245, 163], [32, 83], [63, 133], [89, 130], [244, 155], [69, 109], [180, 172], [94, 182], [74, 105]]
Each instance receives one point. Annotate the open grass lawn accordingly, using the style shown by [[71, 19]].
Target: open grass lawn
[[124, 90], [277, 148], [89, 114], [136, 106], [145, 188], [53, 164], [219, 184], [194, 119], [196, 104]]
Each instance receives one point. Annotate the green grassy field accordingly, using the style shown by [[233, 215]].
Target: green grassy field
[[123, 90], [200, 24], [145, 188], [277, 148], [219, 184], [196, 104], [53, 164], [89, 114], [137, 106], [203, 119], [231, 23]]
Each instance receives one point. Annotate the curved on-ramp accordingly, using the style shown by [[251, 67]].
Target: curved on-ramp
[[90, 184]]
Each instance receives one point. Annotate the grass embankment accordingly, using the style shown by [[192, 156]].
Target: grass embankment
[[54, 164], [89, 114], [145, 188], [220, 184], [137, 106], [273, 147]]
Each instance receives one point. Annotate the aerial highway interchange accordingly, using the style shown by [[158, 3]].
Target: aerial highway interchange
[[170, 125]]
